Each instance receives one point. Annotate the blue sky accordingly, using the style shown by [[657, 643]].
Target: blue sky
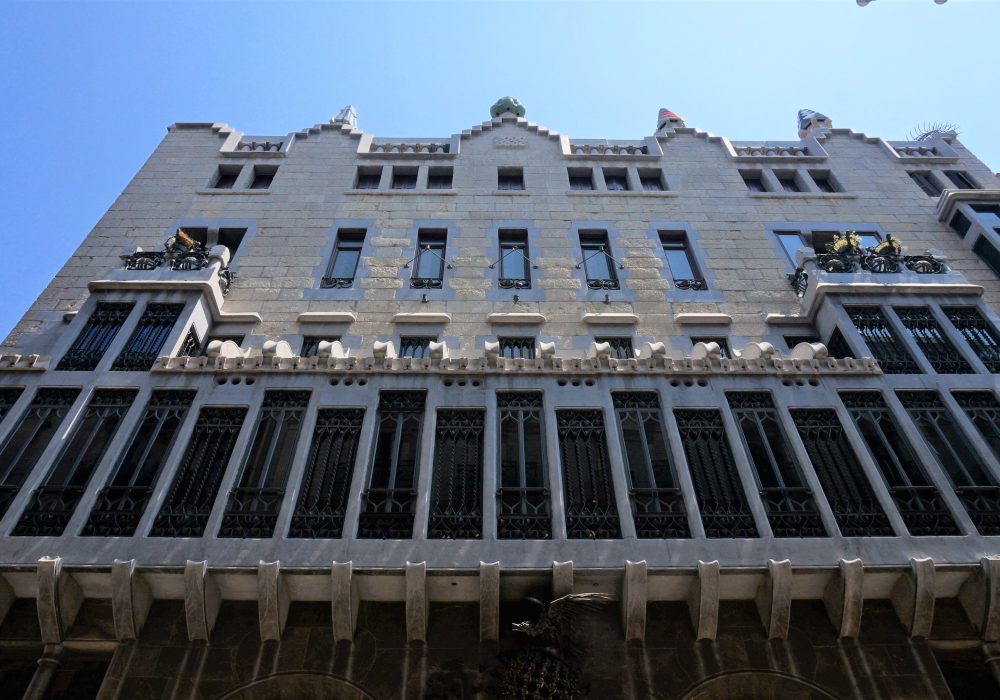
[[90, 87]]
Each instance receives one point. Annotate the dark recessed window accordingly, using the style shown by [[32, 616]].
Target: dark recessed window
[[404, 178], [616, 180], [792, 340], [226, 177], [723, 344], [344, 262], [788, 182], [510, 179], [926, 182], [234, 337], [581, 179], [978, 333], [515, 268], [456, 510], [960, 224], [231, 238], [683, 267], [310, 344], [439, 178], [262, 176], [146, 341], [597, 260], [882, 341], [823, 180], [962, 179], [988, 254], [93, 341], [651, 180], [927, 334], [591, 512], [753, 180], [517, 348], [621, 346], [369, 178], [429, 262], [522, 499], [415, 346]]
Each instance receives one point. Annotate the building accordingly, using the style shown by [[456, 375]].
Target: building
[[374, 395]]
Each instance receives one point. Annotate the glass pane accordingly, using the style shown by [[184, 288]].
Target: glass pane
[[680, 265], [597, 264], [429, 264], [509, 452], [345, 263], [791, 242], [635, 455], [533, 474], [384, 445], [513, 265], [407, 458]]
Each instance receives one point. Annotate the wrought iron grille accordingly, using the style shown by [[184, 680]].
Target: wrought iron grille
[[983, 410], [590, 498], [53, 503], [621, 346], [515, 265], [837, 345], [523, 497], [144, 346], [982, 503], [415, 346], [252, 510], [926, 332], [457, 485], [310, 344], [29, 438], [723, 344], [597, 262], [978, 333], [329, 466], [657, 504], [144, 260], [724, 510], [93, 341], [882, 342], [191, 347], [7, 398], [855, 507], [517, 348], [189, 502], [916, 497], [791, 509], [388, 504]]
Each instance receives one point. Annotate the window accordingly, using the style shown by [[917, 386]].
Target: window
[[978, 333], [188, 503], [390, 500], [191, 347], [515, 265], [510, 179], [788, 181], [621, 346], [252, 510], [926, 333], [263, 175], [53, 502], [329, 468], [310, 344], [960, 224], [235, 337], [523, 498], [616, 180], [93, 341], [680, 260], [837, 345], [723, 345], [122, 502], [8, 396], [945, 440], [651, 180], [790, 242], [517, 348], [428, 270], [30, 436], [226, 176], [581, 179], [404, 178], [754, 180], [457, 483], [416, 346], [657, 504], [369, 177], [881, 340], [143, 347], [344, 261], [586, 469], [926, 182], [961, 179], [790, 506], [824, 181], [439, 178], [231, 238], [597, 260], [988, 254], [792, 340]]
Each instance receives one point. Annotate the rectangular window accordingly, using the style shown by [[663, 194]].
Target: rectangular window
[[926, 333], [723, 505], [621, 346], [439, 178], [252, 510], [869, 239], [788, 501], [515, 265], [978, 333], [988, 254], [615, 179], [146, 342], [960, 224], [226, 176], [683, 267], [581, 179], [329, 468], [122, 502], [263, 175], [651, 180], [510, 179], [188, 504], [523, 497], [926, 182], [369, 177], [790, 242], [754, 180], [429, 262], [8, 395], [310, 344], [982, 501], [961, 179], [597, 260], [882, 342], [53, 502], [589, 495], [788, 182], [390, 500], [657, 504], [404, 178], [824, 181], [93, 341], [914, 494], [943, 437], [457, 483], [416, 346], [231, 238], [344, 261], [723, 344], [517, 348]]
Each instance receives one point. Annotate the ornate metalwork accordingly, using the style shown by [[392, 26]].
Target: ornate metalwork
[[926, 333], [425, 283], [589, 495], [603, 284], [143, 347], [855, 507], [791, 511], [329, 467], [695, 284], [387, 514], [881, 340], [457, 485], [226, 279], [846, 254], [523, 513], [799, 281], [180, 252], [93, 341], [514, 283], [251, 512], [118, 511], [191, 347], [983, 410], [923, 510], [982, 503], [978, 333], [621, 346], [659, 513], [523, 497], [8, 396], [49, 510], [189, 502], [517, 348], [336, 282], [416, 346], [144, 260]]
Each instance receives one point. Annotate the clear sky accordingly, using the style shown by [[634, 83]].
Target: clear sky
[[89, 88]]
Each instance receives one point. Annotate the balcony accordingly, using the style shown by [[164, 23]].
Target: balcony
[[191, 265]]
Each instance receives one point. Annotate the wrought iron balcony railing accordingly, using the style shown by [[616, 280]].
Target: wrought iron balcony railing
[[659, 513], [186, 261], [982, 503], [336, 282], [387, 514], [695, 284], [251, 512], [523, 513], [864, 261], [317, 522], [118, 511], [49, 510], [592, 522], [727, 519], [515, 283], [791, 512], [184, 520], [603, 284], [923, 511]]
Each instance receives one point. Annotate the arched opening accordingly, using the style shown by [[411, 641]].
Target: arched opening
[[299, 685]]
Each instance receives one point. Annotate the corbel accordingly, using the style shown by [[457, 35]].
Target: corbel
[[774, 599], [913, 597], [416, 602], [703, 600], [843, 598], [344, 601], [201, 600], [635, 593], [272, 600], [131, 599], [562, 578], [59, 600], [489, 602], [980, 596]]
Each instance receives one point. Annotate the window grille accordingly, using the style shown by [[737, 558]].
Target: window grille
[[855, 507], [369, 179], [310, 344], [191, 347], [589, 494], [683, 267], [597, 260], [189, 502], [914, 494], [403, 179], [390, 500], [415, 346], [926, 333], [523, 497], [657, 503], [837, 345], [978, 333], [982, 501], [439, 179], [616, 181], [723, 505], [428, 270], [517, 348], [252, 510], [881, 340], [515, 265], [143, 347], [52, 504], [8, 396], [93, 341], [788, 501], [925, 181], [581, 179], [27, 441], [344, 261], [510, 179], [329, 468], [121, 504], [723, 344], [621, 346], [457, 485]]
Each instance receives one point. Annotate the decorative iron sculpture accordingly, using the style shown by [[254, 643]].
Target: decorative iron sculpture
[[180, 252]]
